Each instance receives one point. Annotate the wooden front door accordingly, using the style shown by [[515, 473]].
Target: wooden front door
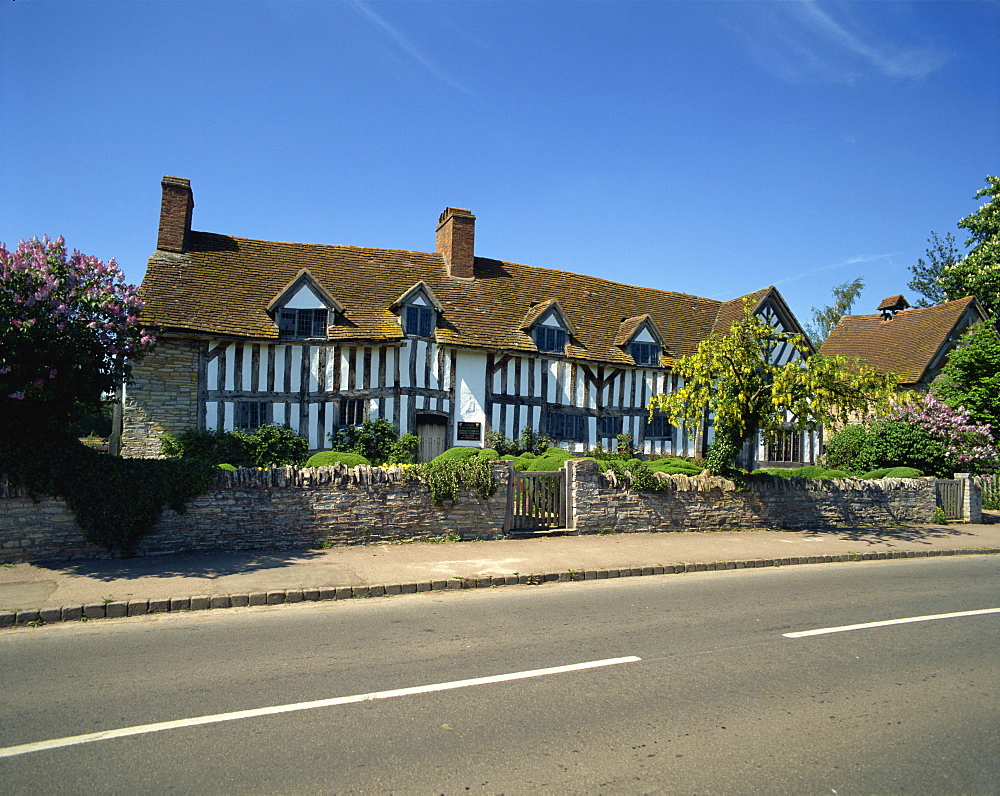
[[433, 433]]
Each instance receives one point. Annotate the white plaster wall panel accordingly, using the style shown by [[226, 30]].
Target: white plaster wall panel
[[404, 415], [470, 390], [212, 415], [344, 368], [278, 413], [227, 416], [296, 378], [262, 368], [330, 425], [280, 352], [313, 368], [230, 366], [212, 372], [304, 299], [314, 431], [247, 367], [644, 336]]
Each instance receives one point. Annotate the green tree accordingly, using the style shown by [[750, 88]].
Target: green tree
[[826, 318], [735, 379], [927, 274], [978, 274], [971, 378]]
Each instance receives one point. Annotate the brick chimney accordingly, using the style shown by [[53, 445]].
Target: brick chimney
[[456, 237], [175, 214]]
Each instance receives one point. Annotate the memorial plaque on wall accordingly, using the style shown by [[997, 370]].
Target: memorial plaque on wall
[[470, 431]]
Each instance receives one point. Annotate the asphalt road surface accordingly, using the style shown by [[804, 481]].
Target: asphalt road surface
[[691, 685]]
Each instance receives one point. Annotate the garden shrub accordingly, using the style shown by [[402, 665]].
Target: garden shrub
[[377, 440], [330, 458], [458, 454], [810, 471], [214, 447], [115, 500], [843, 447], [274, 446], [444, 477], [229, 467]]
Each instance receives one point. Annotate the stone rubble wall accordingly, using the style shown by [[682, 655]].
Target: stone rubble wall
[[601, 504], [163, 398], [279, 509], [287, 509]]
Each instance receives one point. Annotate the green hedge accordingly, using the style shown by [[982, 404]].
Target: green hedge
[[330, 458]]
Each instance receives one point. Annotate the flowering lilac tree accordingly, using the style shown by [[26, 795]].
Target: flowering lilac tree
[[69, 333], [969, 446]]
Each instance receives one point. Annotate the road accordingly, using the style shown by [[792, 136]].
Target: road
[[719, 700]]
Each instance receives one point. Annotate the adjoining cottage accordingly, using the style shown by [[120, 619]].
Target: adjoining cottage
[[912, 343], [445, 344]]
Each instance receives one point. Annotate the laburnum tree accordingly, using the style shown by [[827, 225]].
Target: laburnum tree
[[69, 335], [734, 379]]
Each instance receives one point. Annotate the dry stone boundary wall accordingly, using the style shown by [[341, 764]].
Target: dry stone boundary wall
[[287, 509]]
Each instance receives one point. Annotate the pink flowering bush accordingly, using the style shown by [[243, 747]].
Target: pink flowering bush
[[969, 446], [69, 332]]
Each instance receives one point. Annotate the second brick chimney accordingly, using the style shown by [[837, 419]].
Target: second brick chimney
[[456, 238], [176, 208]]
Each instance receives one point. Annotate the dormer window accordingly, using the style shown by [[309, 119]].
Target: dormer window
[[419, 311], [550, 339], [640, 339], [303, 309], [419, 321], [548, 326], [645, 353], [294, 323]]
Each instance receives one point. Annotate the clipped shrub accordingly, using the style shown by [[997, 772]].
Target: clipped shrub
[[810, 471], [230, 467], [893, 472], [460, 453], [330, 458]]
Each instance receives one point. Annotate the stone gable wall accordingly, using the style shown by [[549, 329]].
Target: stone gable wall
[[163, 398]]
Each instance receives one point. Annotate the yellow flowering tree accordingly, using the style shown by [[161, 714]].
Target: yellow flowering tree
[[734, 380]]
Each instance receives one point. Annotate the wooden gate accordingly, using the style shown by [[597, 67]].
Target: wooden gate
[[951, 498], [536, 500]]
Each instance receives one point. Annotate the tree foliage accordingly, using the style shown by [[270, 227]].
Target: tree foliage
[[69, 333], [735, 378], [826, 318], [941, 255], [971, 379], [949, 276]]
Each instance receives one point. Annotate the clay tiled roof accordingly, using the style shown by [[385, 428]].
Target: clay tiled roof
[[906, 344], [222, 285]]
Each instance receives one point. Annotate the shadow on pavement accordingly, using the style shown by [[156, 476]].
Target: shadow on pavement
[[913, 534], [197, 565]]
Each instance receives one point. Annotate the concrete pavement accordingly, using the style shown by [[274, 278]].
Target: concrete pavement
[[32, 593]]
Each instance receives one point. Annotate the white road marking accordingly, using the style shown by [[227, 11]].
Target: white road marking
[[143, 729], [823, 630]]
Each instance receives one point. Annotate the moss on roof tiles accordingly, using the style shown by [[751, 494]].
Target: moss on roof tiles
[[222, 286]]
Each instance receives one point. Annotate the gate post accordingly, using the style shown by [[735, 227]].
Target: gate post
[[972, 498]]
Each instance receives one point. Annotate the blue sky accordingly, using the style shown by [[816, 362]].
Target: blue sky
[[709, 148]]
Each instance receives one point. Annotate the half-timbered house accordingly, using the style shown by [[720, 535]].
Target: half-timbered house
[[444, 344]]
